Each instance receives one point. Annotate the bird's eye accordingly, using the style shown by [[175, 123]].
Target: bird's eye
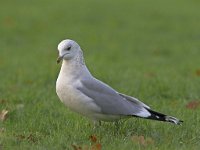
[[68, 48]]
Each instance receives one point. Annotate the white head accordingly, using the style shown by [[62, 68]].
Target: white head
[[68, 49]]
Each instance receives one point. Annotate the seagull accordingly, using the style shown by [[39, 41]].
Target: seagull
[[90, 97]]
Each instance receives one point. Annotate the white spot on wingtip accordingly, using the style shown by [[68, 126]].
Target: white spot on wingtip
[[143, 113], [173, 120]]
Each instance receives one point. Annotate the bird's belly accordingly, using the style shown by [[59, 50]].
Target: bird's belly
[[80, 103], [107, 117], [77, 102]]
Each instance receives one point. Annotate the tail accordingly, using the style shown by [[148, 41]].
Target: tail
[[161, 117]]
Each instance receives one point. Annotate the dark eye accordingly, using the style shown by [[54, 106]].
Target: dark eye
[[69, 48]]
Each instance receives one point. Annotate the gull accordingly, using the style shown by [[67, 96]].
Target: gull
[[90, 97]]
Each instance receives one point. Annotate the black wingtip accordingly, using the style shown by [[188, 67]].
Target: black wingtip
[[180, 122], [162, 117]]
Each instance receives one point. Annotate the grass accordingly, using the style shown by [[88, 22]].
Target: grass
[[147, 49]]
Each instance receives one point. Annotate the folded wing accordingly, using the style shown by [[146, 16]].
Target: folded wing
[[110, 101]]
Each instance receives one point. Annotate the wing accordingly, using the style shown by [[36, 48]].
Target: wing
[[134, 100], [109, 100]]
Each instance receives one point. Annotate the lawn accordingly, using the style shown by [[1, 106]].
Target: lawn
[[147, 49]]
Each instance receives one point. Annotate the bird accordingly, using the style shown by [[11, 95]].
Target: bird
[[84, 94]]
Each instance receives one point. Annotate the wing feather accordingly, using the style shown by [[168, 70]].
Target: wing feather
[[108, 99]]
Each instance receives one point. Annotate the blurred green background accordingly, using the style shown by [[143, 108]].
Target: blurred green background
[[147, 49]]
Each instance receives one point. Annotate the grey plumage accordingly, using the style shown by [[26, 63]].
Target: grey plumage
[[83, 93], [108, 99]]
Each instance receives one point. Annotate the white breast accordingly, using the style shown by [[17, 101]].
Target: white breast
[[73, 98]]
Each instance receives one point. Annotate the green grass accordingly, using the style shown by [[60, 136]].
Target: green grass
[[147, 49]]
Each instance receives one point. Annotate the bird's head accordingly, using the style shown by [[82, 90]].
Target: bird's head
[[67, 49]]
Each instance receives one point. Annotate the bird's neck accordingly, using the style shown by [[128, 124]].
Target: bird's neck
[[74, 68], [79, 59]]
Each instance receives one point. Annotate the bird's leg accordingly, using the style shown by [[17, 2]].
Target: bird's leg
[[96, 123], [117, 124], [99, 123]]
